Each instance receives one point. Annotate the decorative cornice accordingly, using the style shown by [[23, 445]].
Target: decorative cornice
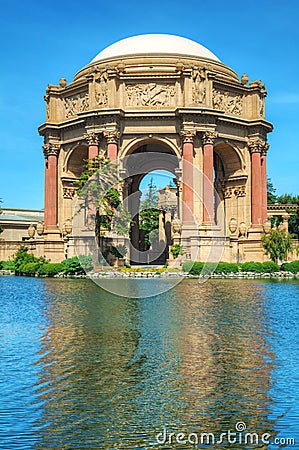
[[188, 135], [51, 149], [208, 137], [112, 136], [91, 138]]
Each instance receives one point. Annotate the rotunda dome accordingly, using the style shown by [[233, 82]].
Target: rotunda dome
[[155, 44]]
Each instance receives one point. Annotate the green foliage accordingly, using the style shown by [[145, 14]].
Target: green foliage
[[258, 267], [8, 265], [291, 267], [22, 257], [50, 269], [270, 267], [277, 244], [119, 251], [30, 268], [294, 215], [271, 196], [224, 267], [149, 213], [176, 250], [77, 265]]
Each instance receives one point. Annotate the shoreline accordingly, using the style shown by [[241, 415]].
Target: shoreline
[[165, 275]]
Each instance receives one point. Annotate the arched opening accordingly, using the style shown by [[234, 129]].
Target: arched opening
[[76, 162], [228, 172], [150, 195]]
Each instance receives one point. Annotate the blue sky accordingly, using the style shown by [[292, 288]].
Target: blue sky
[[44, 40]]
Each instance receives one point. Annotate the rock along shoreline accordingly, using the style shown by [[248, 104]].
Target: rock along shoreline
[[166, 275]]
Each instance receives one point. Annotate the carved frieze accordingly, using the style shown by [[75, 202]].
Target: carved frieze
[[198, 85], [149, 94], [228, 102], [74, 104]]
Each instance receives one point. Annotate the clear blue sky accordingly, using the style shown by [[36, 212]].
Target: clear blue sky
[[44, 40]]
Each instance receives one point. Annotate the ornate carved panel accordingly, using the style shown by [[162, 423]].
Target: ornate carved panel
[[150, 94], [101, 88], [228, 102], [74, 104], [198, 85]]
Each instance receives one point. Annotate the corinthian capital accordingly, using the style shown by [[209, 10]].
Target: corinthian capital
[[112, 136], [209, 136], [51, 149], [188, 135], [256, 145], [91, 138]]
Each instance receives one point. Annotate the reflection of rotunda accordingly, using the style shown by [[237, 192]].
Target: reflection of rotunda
[[171, 97]]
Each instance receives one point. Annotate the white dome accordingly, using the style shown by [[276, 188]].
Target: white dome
[[155, 44]]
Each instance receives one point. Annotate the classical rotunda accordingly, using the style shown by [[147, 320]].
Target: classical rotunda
[[159, 101]]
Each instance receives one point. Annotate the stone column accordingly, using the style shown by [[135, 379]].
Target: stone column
[[112, 137], [93, 145], [51, 152], [264, 181], [208, 138], [187, 177], [256, 181]]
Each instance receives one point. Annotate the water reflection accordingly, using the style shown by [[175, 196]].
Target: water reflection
[[115, 370], [102, 371]]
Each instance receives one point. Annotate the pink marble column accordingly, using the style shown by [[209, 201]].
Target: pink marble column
[[112, 144], [264, 181], [187, 177], [256, 182], [208, 138], [51, 152]]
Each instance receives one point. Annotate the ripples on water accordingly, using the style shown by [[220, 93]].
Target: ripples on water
[[81, 368]]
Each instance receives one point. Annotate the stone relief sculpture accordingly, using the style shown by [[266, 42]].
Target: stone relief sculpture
[[151, 94], [261, 106], [230, 103], [198, 85], [101, 93], [75, 104]]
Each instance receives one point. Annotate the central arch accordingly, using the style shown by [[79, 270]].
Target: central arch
[[142, 158]]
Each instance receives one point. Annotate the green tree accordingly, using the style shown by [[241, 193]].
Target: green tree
[[149, 213], [277, 244], [97, 186], [294, 216], [271, 192]]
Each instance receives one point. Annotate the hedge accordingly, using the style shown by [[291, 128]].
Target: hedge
[[197, 268], [50, 269], [291, 267]]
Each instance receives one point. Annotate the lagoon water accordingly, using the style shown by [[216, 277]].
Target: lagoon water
[[84, 369]]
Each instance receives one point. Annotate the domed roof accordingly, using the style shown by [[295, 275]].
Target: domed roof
[[145, 44]]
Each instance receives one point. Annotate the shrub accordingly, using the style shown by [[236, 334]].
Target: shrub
[[269, 267], [291, 267], [252, 267], [224, 267], [77, 265], [8, 265], [50, 269], [29, 268]]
